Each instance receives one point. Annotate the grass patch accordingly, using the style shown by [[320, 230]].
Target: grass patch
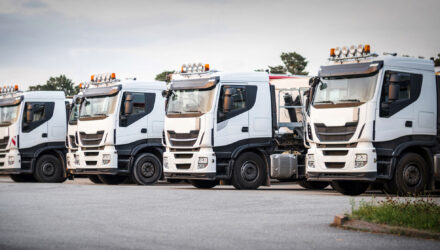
[[421, 214]]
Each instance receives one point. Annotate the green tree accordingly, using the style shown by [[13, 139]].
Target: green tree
[[437, 61], [280, 69], [59, 83], [164, 76], [295, 63]]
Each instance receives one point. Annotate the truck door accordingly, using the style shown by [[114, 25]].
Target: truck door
[[133, 117], [232, 126], [34, 125], [396, 116]]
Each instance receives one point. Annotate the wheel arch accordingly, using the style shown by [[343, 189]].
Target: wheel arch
[[54, 151], [261, 150]]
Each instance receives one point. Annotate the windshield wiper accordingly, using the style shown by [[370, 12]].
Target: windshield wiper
[[100, 115], [5, 123], [174, 112], [193, 111], [350, 100], [324, 102]]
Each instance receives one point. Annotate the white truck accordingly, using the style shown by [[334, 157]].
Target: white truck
[[374, 119], [119, 130], [32, 135], [227, 127]]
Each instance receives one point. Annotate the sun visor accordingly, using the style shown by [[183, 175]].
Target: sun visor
[[102, 91], [12, 101], [194, 83], [351, 70]]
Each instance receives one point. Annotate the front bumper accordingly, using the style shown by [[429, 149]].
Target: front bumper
[[185, 164], [15, 168], [90, 161], [328, 165]]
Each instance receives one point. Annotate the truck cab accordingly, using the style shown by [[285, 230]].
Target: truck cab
[[32, 135], [222, 127], [374, 119], [119, 130]]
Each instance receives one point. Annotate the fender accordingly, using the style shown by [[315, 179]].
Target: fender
[[58, 149], [153, 146]]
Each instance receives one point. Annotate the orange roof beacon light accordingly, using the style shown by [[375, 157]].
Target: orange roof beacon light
[[113, 76], [207, 67], [92, 78], [81, 85], [332, 52], [367, 49], [16, 87], [183, 69]]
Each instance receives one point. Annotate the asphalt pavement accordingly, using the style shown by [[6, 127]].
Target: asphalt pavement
[[79, 214]]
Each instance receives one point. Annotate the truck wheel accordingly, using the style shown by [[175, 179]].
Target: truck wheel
[[22, 178], [49, 169], [147, 169], [350, 187], [112, 179], [204, 184], [314, 185], [249, 171], [94, 178], [410, 176]]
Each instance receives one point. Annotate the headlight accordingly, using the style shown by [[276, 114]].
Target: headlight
[[361, 160], [311, 160], [11, 160], [165, 162], [76, 157], [203, 162], [106, 158]]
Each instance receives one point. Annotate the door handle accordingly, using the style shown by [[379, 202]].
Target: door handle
[[408, 124], [144, 131], [245, 129], [44, 135]]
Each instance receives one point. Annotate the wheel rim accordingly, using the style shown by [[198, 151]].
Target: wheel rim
[[147, 169], [48, 169], [249, 171], [411, 175]]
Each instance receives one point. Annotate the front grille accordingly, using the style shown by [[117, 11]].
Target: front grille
[[183, 156], [92, 148], [91, 153], [91, 163], [184, 149], [4, 142], [2, 156], [2, 164], [183, 166], [335, 152], [91, 139], [73, 141], [335, 164], [336, 133], [183, 139]]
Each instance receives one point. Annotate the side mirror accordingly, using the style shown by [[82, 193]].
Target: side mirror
[[128, 104], [29, 114], [78, 100], [227, 102], [164, 93], [393, 92]]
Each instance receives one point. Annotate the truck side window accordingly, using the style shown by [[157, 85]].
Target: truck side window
[[235, 100], [141, 105], [35, 114], [406, 88]]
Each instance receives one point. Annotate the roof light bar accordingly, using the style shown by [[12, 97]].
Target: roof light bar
[[352, 52], [194, 68], [9, 89]]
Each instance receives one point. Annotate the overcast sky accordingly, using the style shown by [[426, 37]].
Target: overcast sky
[[40, 38]]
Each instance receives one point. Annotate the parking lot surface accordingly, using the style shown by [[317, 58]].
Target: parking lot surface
[[80, 214]]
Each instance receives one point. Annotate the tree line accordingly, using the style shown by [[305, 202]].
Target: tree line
[[293, 63]]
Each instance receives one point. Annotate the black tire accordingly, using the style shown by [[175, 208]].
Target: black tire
[[350, 187], [94, 178], [22, 178], [147, 169], [204, 184], [49, 169], [113, 179], [313, 185], [410, 176], [249, 171]]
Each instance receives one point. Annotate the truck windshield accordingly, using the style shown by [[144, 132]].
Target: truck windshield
[[8, 115], [98, 107], [348, 91], [190, 102]]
